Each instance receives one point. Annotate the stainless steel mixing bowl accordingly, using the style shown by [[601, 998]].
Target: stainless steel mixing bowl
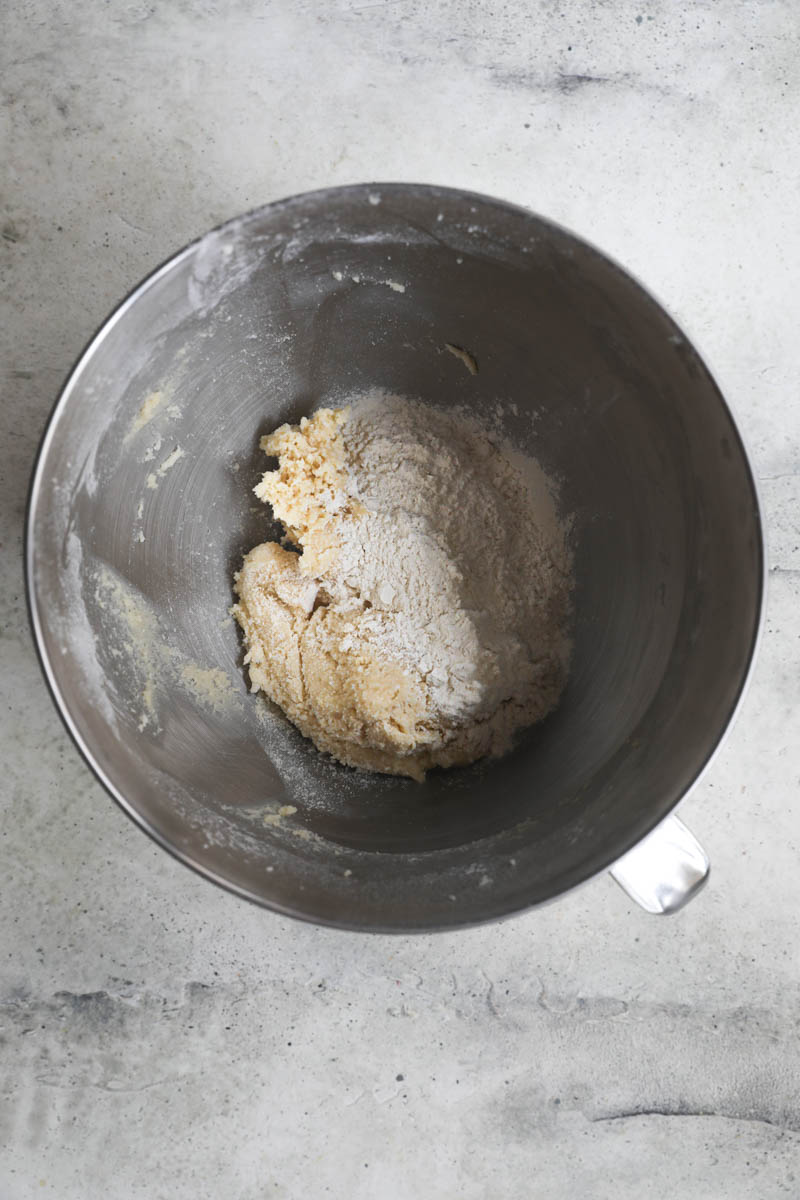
[[141, 509]]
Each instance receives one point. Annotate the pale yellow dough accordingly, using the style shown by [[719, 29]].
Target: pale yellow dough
[[365, 712], [317, 644]]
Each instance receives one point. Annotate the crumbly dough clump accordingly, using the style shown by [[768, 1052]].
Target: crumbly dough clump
[[423, 620]]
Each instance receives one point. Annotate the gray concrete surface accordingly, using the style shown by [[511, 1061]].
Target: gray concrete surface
[[159, 1038]]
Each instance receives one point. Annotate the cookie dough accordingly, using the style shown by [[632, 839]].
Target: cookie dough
[[379, 627]]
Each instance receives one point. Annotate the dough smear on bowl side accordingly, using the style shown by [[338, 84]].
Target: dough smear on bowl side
[[418, 617]]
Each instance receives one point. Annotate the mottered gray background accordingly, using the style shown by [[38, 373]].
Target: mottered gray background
[[159, 1038]]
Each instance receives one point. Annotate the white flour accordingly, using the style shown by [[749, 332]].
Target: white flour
[[473, 566]]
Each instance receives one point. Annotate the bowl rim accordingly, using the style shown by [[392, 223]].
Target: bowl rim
[[34, 605]]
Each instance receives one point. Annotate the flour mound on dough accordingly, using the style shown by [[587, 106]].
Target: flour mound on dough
[[419, 618]]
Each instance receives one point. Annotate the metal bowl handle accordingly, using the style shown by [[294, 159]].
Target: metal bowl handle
[[665, 870]]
